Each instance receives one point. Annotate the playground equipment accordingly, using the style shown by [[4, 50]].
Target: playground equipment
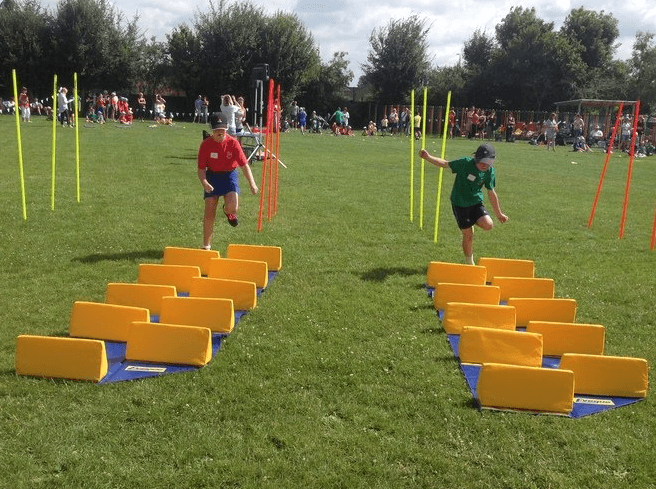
[[172, 320], [530, 354]]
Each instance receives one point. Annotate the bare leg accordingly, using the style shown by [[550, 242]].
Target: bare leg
[[208, 220]]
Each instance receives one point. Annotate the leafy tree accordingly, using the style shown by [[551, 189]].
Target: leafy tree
[[445, 79], [328, 89], [289, 49], [398, 58], [595, 32], [182, 62], [643, 69], [88, 38], [534, 66], [478, 51], [229, 37], [23, 44], [154, 67]]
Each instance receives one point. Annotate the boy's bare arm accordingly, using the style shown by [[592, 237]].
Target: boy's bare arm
[[433, 159], [494, 201]]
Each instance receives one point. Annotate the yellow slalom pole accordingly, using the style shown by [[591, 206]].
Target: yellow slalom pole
[[77, 136], [423, 146], [54, 141], [21, 171], [441, 171], [412, 155]]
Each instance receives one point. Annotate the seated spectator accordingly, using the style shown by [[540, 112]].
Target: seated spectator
[[580, 145], [370, 129]]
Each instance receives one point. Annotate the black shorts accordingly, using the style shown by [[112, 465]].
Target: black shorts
[[466, 217]]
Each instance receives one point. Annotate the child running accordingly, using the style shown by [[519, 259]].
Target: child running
[[467, 193]]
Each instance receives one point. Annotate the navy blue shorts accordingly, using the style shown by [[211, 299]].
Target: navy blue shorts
[[223, 182], [466, 217]]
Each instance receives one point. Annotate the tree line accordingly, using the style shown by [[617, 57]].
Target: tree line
[[216, 54], [525, 64]]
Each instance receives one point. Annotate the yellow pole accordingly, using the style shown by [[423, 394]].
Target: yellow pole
[[77, 137], [412, 155], [20, 145], [54, 141], [423, 145], [441, 171]]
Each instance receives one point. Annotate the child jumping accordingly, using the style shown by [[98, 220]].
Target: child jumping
[[467, 194]]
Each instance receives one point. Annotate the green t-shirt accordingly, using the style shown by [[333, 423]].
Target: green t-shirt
[[469, 182]]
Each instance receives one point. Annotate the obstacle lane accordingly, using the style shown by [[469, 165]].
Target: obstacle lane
[[173, 319], [519, 346]]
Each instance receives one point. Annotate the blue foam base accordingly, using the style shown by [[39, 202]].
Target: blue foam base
[[584, 404], [120, 369]]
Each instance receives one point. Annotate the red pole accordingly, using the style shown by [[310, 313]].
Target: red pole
[[603, 171], [625, 207], [266, 159], [271, 127], [276, 164], [653, 232]]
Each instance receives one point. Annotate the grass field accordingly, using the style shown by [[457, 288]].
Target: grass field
[[342, 377]]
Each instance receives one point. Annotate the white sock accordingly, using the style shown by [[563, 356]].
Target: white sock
[[469, 260]]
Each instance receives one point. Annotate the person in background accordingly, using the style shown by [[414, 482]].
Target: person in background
[[64, 113], [141, 106], [230, 108], [24, 104], [550, 127], [302, 119], [198, 109]]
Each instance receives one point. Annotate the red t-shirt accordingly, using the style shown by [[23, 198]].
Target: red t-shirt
[[224, 156]]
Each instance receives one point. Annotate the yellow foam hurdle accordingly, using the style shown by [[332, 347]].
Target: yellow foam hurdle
[[139, 295], [197, 257], [507, 267], [607, 376], [169, 343], [484, 345], [460, 314], [473, 294], [526, 388], [272, 255], [244, 270], [560, 338], [216, 314], [553, 310], [525, 287], [243, 294], [177, 275], [454, 273], [61, 358], [104, 321]]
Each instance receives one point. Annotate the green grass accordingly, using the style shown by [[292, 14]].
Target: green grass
[[342, 377]]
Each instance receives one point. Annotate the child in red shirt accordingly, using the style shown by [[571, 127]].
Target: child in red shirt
[[218, 158]]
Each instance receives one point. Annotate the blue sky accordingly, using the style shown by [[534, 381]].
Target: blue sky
[[343, 25]]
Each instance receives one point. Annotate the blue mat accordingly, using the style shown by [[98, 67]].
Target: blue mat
[[584, 404], [119, 369]]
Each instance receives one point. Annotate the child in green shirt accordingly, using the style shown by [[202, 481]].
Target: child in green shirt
[[467, 194]]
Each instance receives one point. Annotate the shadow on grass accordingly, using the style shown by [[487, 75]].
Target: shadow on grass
[[125, 256], [382, 273], [191, 157]]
